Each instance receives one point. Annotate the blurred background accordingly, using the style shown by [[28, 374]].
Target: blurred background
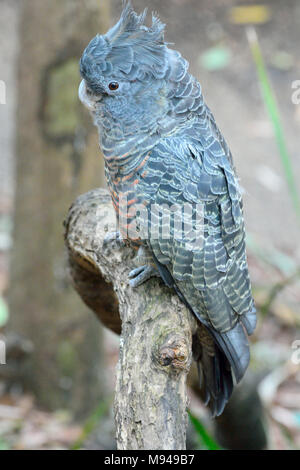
[[56, 388]]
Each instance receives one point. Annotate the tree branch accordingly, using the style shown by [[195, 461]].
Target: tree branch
[[156, 330]]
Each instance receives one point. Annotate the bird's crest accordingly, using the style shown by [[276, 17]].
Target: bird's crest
[[129, 48]]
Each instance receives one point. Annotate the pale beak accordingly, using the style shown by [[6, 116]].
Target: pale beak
[[88, 99]]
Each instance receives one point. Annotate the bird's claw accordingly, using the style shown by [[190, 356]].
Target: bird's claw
[[140, 275]]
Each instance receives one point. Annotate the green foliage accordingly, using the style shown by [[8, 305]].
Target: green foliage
[[284, 263], [206, 441], [4, 445], [4, 313], [92, 422], [216, 58], [274, 114]]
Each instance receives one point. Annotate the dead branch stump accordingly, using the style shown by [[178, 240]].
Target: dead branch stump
[[156, 330]]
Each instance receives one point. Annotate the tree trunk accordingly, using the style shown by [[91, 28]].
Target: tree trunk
[[156, 334], [58, 157]]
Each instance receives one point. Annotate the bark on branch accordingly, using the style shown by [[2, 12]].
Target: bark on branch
[[156, 330]]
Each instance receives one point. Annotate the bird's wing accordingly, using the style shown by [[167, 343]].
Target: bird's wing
[[211, 275]]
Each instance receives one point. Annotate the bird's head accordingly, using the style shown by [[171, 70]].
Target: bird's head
[[126, 73]]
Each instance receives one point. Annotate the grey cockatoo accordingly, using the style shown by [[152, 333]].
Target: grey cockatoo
[[162, 148]]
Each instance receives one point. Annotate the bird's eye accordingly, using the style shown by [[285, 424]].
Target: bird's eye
[[113, 86]]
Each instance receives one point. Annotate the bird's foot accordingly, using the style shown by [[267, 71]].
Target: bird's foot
[[140, 275], [113, 240]]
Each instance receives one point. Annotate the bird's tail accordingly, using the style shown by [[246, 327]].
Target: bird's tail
[[220, 354], [234, 344], [214, 370]]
